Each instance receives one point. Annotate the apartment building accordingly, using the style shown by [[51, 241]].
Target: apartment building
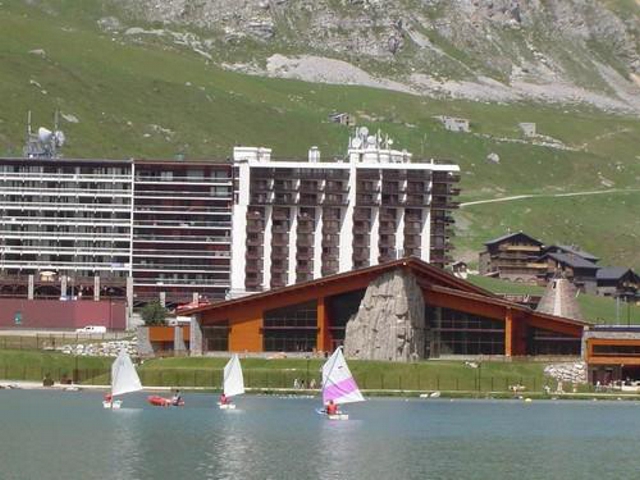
[[183, 230], [295, 221]]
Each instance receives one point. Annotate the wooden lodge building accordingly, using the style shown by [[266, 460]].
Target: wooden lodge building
[[513, 257], [461, 318]]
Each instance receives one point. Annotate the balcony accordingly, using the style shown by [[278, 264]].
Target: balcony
[[360, 254], [261, 186], [412, 230], [412, 242], [262, 199], [333, 186], [280, 240], [310, 186], [253, 255], [412, 252], [280, 214], [387, 241], [285, 185], [363, 228], [306, 227], [309, 199], [257, 240], [331, 226], [284, 199], [361, 241], [330, 240], [367, 200], [389, 200], [415, 200], [280, 229], [253, 267], [387, 228], [368, 187], [254, 226], [304, 240], [253, 215], [253, 282], [304, 255], [337, 200]]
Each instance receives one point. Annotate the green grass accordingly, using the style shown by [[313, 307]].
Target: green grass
[[120, 88], [595, 309], [280, 373], [33, 365]]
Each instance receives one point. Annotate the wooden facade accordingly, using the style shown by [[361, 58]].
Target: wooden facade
[[463, 318]]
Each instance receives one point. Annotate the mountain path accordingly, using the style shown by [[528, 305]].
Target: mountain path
[[550, 195]]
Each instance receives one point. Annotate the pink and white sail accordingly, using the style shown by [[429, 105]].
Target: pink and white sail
[[337, 382]]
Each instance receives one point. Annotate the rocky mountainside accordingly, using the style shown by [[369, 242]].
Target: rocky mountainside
[[494, 50]]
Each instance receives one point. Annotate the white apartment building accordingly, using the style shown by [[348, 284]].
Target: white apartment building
[[295, 221]]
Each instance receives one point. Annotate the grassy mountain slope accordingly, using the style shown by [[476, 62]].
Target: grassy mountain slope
[[154, 100]]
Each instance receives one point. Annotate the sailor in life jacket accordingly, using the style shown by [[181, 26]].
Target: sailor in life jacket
[[331, 408], [223, 399]]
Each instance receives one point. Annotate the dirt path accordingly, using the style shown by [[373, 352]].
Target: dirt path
[[550, 195]]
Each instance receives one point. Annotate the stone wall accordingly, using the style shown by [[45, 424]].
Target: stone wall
[[144, 343], [390, 323]]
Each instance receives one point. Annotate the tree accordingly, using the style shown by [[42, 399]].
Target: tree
[[153, 313]]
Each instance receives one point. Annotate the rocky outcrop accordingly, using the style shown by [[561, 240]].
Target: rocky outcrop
[[501, 50], [390, 323]]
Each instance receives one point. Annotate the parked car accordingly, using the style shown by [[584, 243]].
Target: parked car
[[92, 329]]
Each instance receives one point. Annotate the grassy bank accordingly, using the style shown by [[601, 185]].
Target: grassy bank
[[281, 373]]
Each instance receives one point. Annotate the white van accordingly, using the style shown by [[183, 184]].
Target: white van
[[92, 329]]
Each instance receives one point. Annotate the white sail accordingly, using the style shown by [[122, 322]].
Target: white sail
[[337, 382], [233, 379], [124, 378]]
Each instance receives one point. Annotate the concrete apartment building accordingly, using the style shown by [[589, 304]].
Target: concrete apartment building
[[294, 221], [138, 230]]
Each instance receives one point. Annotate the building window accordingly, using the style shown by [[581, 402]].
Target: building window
[[291, 329], [216, 337], [459, 333]]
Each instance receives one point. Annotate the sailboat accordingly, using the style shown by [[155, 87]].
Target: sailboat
[[124, 379], [233, 383], [338, 385]]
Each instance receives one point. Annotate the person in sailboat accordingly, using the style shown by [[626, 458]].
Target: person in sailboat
[[176, 399], [331, 408], [224, 400]]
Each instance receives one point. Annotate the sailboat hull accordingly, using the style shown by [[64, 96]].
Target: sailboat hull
[[158, 401], [114, 405], [335, 416], [226, 406], [339, 416]]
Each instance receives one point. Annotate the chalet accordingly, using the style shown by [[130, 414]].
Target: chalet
[[571, 250], [620, 282], [513, 257], [580, 272]]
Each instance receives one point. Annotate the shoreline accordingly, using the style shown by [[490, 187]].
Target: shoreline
[[406, 394]]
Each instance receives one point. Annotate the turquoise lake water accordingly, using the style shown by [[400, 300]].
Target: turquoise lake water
[[68, 435]]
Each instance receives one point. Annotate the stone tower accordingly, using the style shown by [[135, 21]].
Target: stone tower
[[390, 323], [559, 299]]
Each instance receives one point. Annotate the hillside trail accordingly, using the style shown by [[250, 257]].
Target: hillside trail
[[550, 195]]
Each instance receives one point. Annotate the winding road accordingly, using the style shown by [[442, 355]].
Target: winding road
[[550, 195]]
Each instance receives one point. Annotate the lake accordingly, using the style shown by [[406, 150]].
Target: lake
[[68, 435]]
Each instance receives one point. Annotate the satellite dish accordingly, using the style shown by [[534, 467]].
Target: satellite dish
[[44, 134], [356, 142], [363, 131]]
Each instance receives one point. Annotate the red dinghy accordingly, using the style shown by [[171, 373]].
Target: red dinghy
[[158, 401]]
